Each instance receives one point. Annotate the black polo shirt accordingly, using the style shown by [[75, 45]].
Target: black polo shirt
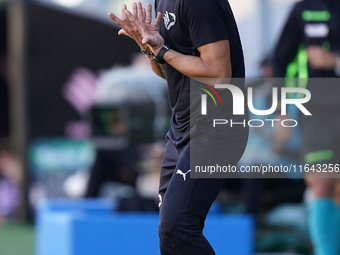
[[186, 25]]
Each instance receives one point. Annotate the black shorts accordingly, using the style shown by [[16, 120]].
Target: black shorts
[[321, 138]]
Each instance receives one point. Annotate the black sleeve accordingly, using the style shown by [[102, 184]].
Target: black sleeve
[[289, 42], [205, 21]]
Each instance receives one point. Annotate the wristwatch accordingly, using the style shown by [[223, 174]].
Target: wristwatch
[[159, 57]]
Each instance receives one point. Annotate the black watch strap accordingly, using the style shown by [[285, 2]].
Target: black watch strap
[[159, 57]]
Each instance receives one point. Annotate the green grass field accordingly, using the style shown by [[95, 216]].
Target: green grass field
[[17, 239]]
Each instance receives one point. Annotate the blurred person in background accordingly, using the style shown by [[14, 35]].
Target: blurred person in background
[[122, 108], [145, 198], [133, 86], [309, 47], [112, 166], [10, 171], [10, 180], [265, 147]]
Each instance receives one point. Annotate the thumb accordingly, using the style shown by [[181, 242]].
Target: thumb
[[145, 40], [122, 32]]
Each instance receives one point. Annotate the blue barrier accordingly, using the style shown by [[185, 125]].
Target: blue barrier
[[91, 228]]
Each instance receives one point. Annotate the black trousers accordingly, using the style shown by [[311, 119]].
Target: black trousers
[[185, 201]]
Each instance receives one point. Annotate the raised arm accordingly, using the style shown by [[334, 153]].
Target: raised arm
[[213, 62], [130, 30]]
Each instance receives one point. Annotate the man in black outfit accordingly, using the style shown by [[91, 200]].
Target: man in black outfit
[[189, 39]]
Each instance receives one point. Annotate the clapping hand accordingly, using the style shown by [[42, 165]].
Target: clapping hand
[[137, 25]]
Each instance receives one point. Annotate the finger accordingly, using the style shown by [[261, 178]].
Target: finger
[[124, 17], [145, 40], [134, 9], [133, 19], [115, 19], [157, 20], [140, 12], [148, 13], [122, 32], [144, 15]]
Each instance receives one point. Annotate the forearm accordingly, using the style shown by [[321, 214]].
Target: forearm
[[191, 66], [194, 66], [213, 62], [158, 69]]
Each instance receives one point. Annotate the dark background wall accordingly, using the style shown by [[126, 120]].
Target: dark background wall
[[59, 42]]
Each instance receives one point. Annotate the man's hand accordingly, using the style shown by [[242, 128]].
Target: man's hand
[[143, 16], [281, 136], [148, 31], [320, 58]]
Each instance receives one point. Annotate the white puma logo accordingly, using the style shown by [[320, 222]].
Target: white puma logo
[[183, 174], [160, 200], [169, 19]]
